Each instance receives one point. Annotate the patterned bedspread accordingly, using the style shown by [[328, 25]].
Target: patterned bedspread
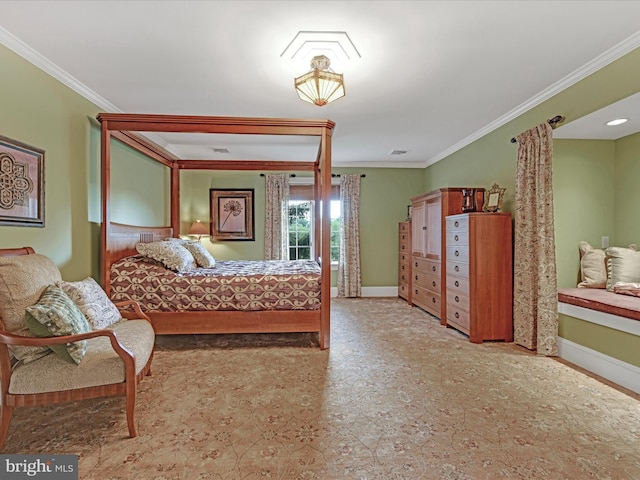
[[231, 285]]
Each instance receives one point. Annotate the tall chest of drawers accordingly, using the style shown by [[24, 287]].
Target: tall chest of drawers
[[404, 260], [479, 275]]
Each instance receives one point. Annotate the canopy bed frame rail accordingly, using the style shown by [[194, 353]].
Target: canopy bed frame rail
[[118, 240]]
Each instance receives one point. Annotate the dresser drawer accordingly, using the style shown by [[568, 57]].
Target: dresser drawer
[[426, 299], [458, 318], [403, 274], [457, 223], [405, 257], [455, 238], [458, 284], [426, 280], [403, 291], [458, 254], [426, 265], [458, 269], [459, 300], [404, 227]]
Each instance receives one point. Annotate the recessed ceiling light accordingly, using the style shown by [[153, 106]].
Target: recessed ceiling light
[[617, 121]]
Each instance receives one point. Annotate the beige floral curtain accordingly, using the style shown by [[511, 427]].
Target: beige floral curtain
[[349, 281], [535, 309], [276, 223]]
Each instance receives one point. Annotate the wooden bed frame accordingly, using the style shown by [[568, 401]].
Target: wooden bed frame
[[118, 240]]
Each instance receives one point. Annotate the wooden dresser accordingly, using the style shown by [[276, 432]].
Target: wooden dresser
[[479, 275], [404, 260], [427, 239]]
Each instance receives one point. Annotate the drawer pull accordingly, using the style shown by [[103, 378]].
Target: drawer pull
[[424, 228], [457, 315], [456, 223], [433, 283], [456, 238], [456, 268], [457, 283], [457, 299], [433, 269], [433, 300], [416, 292], [457, 253], [416, 278], [415, 264]]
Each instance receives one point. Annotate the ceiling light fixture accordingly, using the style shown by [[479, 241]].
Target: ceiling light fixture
[[320, 85], [617, 121]]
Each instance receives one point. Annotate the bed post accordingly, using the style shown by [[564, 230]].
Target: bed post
[[105, 183], [325, 288], [174, 207]]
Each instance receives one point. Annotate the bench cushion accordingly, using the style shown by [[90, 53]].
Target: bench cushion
[[101, 364], [602, 300]]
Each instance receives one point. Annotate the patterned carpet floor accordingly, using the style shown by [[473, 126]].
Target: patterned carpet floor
[[396, 396]]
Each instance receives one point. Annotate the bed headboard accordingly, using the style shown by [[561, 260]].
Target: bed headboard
[[122, 239], [14, 252]]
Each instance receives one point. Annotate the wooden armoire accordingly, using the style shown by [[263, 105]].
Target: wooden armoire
[[428, 256]]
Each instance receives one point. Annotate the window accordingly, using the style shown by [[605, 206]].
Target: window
[[301, 222]]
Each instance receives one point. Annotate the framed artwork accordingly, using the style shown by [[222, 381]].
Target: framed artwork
[[493, 199], [21, 184], [231, 214]]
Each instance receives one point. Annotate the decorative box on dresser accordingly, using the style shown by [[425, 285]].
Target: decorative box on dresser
[[404, 260], [479, 275], [427, 239]]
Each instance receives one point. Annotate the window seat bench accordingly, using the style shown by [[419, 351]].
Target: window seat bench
[[612, 356], [601, 300]]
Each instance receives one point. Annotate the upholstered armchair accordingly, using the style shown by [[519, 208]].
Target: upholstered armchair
[[89, 348]]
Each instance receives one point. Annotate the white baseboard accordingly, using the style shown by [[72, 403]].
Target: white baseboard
[[372, 291], [617, 371]]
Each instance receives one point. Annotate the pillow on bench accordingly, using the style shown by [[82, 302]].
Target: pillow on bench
[[623, 265]]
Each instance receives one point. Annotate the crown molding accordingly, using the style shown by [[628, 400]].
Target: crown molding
[[13, 43], [601, 61]]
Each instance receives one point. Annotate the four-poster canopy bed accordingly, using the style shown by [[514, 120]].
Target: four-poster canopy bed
[[119, 241]]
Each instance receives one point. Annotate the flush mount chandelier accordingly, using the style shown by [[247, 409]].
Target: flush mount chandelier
[[321, 85]]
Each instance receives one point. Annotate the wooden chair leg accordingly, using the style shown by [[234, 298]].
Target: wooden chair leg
[[131, 407], [5, 418]]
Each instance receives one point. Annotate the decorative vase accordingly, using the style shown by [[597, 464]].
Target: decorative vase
[[468, 200]]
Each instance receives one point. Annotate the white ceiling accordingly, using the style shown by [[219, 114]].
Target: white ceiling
[[433, 75]]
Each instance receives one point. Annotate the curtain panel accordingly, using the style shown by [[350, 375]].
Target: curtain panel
[[349, 279], [276, 223], [535, 309]]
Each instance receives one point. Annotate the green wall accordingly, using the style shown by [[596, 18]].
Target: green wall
[[594, 182], [627, 193], [385, 194], [38, 110]]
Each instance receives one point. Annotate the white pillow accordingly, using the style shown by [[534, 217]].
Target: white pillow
[[623, 265], [201, 255], [171, 254], [93, 302], [593, 267]]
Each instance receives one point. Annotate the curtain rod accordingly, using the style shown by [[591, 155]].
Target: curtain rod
[[552, 121], [333, 175]]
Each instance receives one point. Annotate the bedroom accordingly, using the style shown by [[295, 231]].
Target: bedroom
[[43, 112]]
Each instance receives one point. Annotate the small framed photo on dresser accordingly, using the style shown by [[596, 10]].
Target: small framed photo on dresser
[[493, 199]]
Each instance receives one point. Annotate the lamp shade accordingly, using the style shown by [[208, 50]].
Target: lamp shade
[[320, 86], [198, 228]]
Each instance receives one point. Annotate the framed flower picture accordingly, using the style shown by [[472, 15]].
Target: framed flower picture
[[231, 213]]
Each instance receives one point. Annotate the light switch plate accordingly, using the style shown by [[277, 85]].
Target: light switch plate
[[605, 242]]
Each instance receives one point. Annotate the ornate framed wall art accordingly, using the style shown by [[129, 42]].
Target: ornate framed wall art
[[21, 184], [231, 213], [493, 199]]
